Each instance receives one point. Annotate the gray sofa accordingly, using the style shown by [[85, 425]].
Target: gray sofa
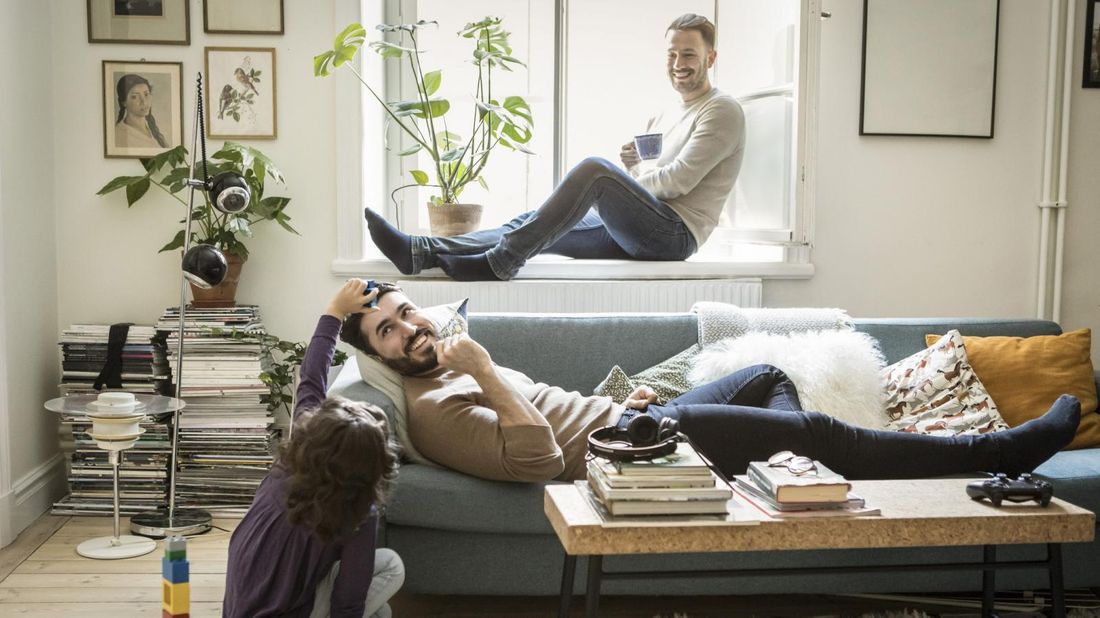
[[462, 535]]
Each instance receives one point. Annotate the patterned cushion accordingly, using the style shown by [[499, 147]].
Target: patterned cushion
[[668, 379], [449, 320], [937, 392]]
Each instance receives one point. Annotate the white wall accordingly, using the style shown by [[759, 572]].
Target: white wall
[[910, 226], [29, 466]]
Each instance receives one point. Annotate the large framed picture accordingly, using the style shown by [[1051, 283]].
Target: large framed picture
[[158, 22], [242, 16], [142, 108], [929, 67], [1091, 64], [240, 92]]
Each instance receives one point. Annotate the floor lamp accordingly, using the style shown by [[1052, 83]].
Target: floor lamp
[[205, 266]]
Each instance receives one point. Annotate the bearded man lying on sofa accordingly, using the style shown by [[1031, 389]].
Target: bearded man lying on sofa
[[471, 415]]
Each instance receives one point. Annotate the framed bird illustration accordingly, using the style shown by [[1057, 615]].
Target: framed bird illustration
[[240, 92]]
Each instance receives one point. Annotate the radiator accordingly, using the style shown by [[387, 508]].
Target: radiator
[[586, 296]]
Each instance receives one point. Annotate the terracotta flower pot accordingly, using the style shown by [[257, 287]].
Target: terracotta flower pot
[[454, 219], [223, 294]]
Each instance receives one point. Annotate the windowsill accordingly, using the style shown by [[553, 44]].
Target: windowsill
[[555, 267]]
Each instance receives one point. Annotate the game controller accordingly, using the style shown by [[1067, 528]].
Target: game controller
[[370, 286], [1021, 489]]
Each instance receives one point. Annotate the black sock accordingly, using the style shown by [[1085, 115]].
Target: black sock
[[1026, 446], [395, 244], [467, 267]]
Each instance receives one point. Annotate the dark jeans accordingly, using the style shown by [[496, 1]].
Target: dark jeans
[[598, 211], [753, 413]]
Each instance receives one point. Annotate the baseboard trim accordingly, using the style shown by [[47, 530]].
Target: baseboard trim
[[30, 497]]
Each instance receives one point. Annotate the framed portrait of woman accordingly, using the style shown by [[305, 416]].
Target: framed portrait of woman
[[142, 108]]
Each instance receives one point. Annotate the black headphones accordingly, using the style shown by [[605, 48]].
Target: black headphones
[[644, 438]]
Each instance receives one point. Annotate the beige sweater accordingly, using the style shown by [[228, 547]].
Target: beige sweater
[[701, 152], [450, 424]]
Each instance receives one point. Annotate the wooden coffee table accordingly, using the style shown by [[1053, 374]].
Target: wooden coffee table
[[915, 513]]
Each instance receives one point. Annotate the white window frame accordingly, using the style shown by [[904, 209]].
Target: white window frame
[[364, 171]]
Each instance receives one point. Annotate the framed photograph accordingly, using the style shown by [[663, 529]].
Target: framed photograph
[[242, 16], [144, 22], [1092, 47], [142, 108], [240, 92], [929, 68]]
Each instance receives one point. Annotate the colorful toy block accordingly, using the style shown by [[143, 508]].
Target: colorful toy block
[[176, 583]]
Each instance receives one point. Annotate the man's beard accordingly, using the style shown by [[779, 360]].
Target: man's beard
[[696, 82], [406, 366]]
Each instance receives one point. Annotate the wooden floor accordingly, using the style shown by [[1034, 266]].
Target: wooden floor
[[42, 575]]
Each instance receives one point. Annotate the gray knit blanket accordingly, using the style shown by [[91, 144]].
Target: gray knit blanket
[[719, 321]]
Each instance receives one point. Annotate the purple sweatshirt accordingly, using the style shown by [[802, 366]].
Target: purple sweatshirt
[[275, 566]]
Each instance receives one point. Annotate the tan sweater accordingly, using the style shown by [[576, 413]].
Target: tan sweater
[[450, 424], [701, 152]]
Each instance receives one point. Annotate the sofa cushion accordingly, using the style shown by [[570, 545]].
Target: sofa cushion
[[1025, 375], [1075, 476], [433, 497], [900, 337], [936, 392], [668, 379]]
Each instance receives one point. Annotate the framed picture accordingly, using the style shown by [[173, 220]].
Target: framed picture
[[1092, 47], [142, 108], [929, 68], [242, 16], [158, 22], [240, 92]]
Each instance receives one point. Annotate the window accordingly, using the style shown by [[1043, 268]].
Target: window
[[613, 80]]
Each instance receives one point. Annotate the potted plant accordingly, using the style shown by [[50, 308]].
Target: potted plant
[[457, 160], [169, 172]]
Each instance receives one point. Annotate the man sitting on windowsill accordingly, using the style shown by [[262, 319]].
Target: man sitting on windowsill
[[471, 415], [599, 210]]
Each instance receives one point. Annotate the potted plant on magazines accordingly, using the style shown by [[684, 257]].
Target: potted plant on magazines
[[456, 160], [168, 171]]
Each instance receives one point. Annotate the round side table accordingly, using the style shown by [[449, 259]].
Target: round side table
[[115, 429]]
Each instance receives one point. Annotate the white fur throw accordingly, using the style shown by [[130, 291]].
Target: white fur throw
[[836, 372]]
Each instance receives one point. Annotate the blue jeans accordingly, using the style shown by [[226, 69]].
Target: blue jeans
[[753, 413], [597, 212]]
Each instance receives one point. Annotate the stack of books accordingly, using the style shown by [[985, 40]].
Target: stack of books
[[680, 483], [226, 433], [144, 470], [781, 493]]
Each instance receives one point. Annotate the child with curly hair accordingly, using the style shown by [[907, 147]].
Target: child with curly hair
[[306, 547]]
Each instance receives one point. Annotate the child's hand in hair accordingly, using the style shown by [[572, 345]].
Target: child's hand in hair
[[350, 298]]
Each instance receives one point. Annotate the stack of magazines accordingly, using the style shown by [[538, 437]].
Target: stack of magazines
[[782, 490], [144, 469], [680, 483], [226, 432]]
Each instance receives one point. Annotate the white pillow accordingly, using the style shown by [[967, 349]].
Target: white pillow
[[836, 372], [448, 320]]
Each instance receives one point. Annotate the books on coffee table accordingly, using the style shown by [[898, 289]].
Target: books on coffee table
[[684, 462], [784, 486], [608, 493], [853, 506], [611, 476], [679, 483]]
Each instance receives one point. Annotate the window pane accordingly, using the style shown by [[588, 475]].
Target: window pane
[[616, 75], [757, 41], [759, 198], [517, 182]]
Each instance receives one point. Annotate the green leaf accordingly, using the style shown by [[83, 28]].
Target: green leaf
[[239, 225], [323, 63], [481, 181], [452, 155], [354, 34], [416, 107], [136, 190], [415, 148], [270, 206], [419, 176], [177, 242], [283, 220], [388, 50], [432, 79], [118, 183]]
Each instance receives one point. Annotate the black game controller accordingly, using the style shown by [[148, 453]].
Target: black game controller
[[370, 286], [1022, 489]]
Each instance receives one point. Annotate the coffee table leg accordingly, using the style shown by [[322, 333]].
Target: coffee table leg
[[1057, 588], [989, 579], [568, 570], [592, 598]]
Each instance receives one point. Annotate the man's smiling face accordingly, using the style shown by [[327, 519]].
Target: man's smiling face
[[402, 337]]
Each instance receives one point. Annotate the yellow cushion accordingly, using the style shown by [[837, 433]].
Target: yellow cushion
[[1025, 375]]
